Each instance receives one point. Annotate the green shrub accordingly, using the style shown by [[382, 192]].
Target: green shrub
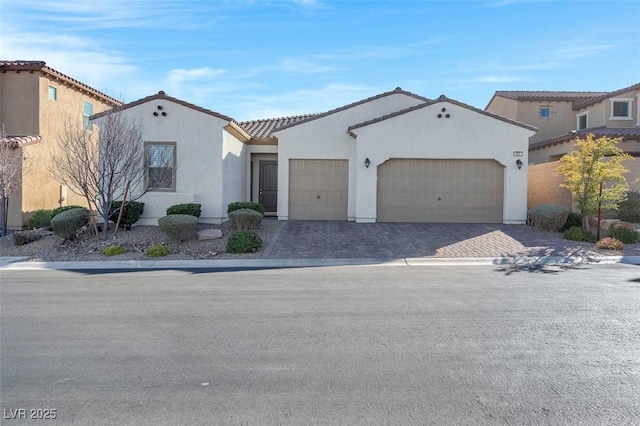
[[55, 212], [579, 234], [158, 250], [630, 209], [114, 250], [40, 219], [627, 236], [192, 209], [244, 242], [68, 222], [610, 244], [131, 214], [548, 216], [25, 237], [245, 205], [574, 219], [179, 227], [245, 219]]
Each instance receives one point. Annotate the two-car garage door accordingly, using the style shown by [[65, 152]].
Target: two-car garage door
[[420, 190]]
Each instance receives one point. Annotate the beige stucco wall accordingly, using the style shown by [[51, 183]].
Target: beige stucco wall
[[234, 166], [466, 135], [599, 114], [27, 109], [562, 119], [503, 107], [327, 138], [200, 152]]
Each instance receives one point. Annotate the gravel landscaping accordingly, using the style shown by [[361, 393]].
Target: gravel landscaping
[[51, 248]]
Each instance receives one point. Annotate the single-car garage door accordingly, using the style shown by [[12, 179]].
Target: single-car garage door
[[318, 189], [468, 191]]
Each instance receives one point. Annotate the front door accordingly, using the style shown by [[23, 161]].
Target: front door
[[268, 185]]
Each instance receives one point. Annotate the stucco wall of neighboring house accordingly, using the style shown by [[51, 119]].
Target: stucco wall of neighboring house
[[600, 114], [466, 135], [27, 109], [503, 107], [562, 118], [544, 186], [199, 158], [327, 138], [234, 165]]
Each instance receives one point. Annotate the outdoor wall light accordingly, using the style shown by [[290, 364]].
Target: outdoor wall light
[[519, 164], [367, 162]]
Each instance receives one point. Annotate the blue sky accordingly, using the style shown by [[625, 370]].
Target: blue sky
[[266, 58]]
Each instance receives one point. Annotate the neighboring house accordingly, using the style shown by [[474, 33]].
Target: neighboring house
[[393, 157], [35, 103], [560, 118]]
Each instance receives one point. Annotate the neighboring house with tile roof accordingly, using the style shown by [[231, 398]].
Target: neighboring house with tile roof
[[392, 157], [35, 102], [561, 117]]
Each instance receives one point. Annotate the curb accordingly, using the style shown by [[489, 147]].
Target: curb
[[14, 264]]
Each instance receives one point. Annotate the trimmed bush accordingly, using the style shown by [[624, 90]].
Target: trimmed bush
[[574, 219], [245, 205], [55, 212], [548, 216], [179, 227], [627, 236], [245, 219], [67, 223], [40, 219], [26, 237], [114, 250], [630, 209], [579, 234], [158, 250], [610, 244], [244, 242], [191, 209], [131, 214]]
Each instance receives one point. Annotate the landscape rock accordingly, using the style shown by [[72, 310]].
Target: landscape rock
[[209, 234]]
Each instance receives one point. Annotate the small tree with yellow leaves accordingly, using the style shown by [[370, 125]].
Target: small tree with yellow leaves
[[592, 162]]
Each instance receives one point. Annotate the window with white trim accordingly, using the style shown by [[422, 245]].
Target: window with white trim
[[582, 121], [621, 109], [160, 167], [87, 111], [53, 93]]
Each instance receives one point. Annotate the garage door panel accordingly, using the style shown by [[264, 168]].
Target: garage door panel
[[318, 189], [440, 191]]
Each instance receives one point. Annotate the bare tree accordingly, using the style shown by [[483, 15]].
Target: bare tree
[[99, 169], [14, 163]]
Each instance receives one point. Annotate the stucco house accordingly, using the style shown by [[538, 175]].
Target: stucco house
[[35, 103], [560, 118], [395, 157]]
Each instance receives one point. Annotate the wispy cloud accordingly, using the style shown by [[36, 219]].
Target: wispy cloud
[[384, 51], [303, 101]]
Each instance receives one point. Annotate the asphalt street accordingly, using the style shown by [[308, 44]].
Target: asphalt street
[[330, 345]]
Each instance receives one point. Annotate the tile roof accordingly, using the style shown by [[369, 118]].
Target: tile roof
[[396, 91], [441, 98], [18, 141], [161, 95], [604, 96], [41, 66], [626, 133], [264, 128], [546, 95]]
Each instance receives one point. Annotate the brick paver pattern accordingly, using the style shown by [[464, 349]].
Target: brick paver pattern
[[334, 239]]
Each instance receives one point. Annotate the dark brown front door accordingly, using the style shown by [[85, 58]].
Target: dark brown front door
[[268, 185]]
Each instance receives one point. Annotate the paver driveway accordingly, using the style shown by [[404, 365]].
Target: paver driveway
[[333, 239]]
